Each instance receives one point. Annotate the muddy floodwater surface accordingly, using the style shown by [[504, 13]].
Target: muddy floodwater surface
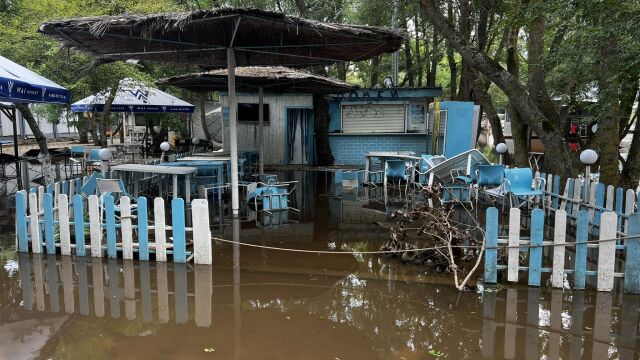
[[255, 303]]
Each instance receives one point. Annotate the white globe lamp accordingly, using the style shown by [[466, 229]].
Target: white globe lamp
[[501, 149], [105, 155], [164, 146], [588, 157]]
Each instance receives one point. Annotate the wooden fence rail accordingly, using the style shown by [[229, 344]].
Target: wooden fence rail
[[45, 222], [606, 247]]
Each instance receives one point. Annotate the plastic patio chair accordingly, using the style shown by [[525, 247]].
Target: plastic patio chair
[[519, 183], [490, 179], [427, 163], [396, 170], [113, 187]]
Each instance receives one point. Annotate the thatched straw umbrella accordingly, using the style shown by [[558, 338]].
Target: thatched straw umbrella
[[224, 37], [272, 79]]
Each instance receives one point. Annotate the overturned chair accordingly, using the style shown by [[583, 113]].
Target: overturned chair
[[272, 200]]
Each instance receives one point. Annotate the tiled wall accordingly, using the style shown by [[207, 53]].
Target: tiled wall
[[350, 149]]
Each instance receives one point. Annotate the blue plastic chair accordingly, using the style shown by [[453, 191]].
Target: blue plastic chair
[[396, 170], [490, 179], [94, 155], [490, 175], [89, 187], [519, 184], [424, 163], [76, 150]]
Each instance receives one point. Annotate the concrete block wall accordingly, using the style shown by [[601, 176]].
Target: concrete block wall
[[351, 149]]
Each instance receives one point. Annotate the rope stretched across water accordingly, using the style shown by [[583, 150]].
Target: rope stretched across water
[[439, 247]]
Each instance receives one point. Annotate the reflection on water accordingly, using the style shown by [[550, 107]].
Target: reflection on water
[[262, 304]]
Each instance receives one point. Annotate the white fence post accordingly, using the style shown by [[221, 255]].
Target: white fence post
[[559, 237], [95, 228], [513, 261], [201, 232], [63, 223], [160, 229], [126, 230]]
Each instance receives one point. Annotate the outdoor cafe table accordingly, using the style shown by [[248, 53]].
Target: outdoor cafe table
[[221, 159], [175, 171], [386, 155]]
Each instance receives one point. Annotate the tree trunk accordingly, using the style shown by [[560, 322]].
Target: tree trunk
[[419, 61], [105, 120], [466, 74], [435, 59], [537, 73], [519, 130], [408, 60], [321, 115], [375, 64], [484, 100], [41, 139], [83, 133], [631, 172], [549, 133], [341, 69], [453, 67], [203, 118], [607, 138]]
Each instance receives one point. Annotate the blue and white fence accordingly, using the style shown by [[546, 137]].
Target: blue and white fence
[[604, 250], [48, 219], [596, 198]]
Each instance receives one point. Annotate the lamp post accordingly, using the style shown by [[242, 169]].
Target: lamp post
[[588, 158], [195, 141], [501, 149], [164, 147], [105, 155]]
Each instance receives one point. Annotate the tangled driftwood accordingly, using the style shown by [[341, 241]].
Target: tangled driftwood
[[452, 243]]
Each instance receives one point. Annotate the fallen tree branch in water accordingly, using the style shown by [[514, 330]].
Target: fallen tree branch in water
[[436, 228]]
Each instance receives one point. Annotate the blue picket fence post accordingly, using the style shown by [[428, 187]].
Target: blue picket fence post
[[535, 251], [49, 189], [582, 236], [110, 218], [631, 264], [48, 223], [21, 221], [491, 244], [64, 188], [555, 191], [600, 192], [179, 237], [78, 224], [570, 196], [143, 231]]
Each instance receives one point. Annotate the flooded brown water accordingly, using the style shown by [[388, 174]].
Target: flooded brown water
[[265, 304]]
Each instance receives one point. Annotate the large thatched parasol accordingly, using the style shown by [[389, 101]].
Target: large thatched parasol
[[224, 37], [272, 79]]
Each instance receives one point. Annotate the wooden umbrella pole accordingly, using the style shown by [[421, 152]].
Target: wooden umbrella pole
[[261, 128], [233, 133]]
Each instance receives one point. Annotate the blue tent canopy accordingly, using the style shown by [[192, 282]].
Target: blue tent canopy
[[135, 97], [21, 85]]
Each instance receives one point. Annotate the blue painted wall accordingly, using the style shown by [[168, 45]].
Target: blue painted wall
[[350, 149]]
